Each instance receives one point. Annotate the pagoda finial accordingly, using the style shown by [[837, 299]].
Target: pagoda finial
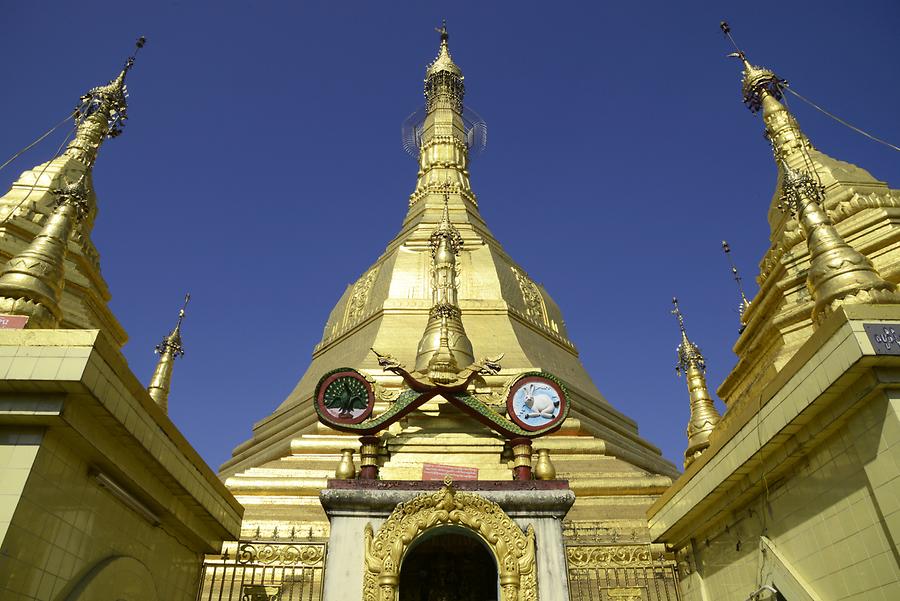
[[689, 355], [170, 348], [443, 31], [744, 304], [838, 273], [101, 114], [437, 356], [704, 415], [439, 135], [443, 78], [31, 283]]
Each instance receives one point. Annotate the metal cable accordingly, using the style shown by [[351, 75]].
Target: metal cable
[[841, 121], [38, 178], [30, 146]]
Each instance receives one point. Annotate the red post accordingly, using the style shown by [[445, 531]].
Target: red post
[[521, 448]]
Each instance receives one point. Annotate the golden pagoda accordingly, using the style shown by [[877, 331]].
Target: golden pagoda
[[446, 275]]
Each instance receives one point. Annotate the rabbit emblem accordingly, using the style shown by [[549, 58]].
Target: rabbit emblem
[[540, 405]]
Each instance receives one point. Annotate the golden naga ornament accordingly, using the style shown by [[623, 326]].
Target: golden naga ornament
[[513, 550]]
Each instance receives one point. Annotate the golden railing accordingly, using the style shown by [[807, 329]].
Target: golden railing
[[264, 571], [620, 573]]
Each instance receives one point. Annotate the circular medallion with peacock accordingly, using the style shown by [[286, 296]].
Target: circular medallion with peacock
[[344, 396]]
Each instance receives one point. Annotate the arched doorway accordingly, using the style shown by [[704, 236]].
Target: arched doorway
[[448, 564], [433, 512]]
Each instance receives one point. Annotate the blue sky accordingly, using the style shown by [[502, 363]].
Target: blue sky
[[257, 127]]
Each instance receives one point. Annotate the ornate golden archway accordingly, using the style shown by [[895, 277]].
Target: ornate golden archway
[[512, 549]]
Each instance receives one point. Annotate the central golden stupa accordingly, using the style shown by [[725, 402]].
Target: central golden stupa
[[278, 474]]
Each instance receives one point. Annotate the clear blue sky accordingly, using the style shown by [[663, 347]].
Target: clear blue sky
[[256, 127]]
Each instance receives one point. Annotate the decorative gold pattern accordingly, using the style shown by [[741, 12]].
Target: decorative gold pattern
[[281, 554], [601, 556], [535, 307], [512, 549], [359, 298]]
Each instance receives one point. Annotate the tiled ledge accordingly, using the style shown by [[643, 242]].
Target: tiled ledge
[[753, 430], [77, 379]]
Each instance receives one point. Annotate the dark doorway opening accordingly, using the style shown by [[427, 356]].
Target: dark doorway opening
[[448, 564]]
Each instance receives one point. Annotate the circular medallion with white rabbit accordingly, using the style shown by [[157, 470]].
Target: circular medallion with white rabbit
[[536, 402]]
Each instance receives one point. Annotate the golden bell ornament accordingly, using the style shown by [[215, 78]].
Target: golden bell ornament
[[543, 469], [345, 469]]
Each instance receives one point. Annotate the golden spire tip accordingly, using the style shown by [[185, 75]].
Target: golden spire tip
[[677, 313]]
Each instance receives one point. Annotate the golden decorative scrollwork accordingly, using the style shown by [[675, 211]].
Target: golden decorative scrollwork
[[513, 549], [281, 554], [603, 556], [535, 307], [359, 297]]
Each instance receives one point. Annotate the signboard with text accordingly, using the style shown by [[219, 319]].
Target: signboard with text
[[13, 322], [437, 471]]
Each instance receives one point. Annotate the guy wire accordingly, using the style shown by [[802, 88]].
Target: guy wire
[[38, 178], [30, 146], [841, 121]]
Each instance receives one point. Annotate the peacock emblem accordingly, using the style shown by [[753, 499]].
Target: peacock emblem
[[346, 395]]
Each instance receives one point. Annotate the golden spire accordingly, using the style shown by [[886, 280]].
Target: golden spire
[[101, 114], [170, 348], [31, 282], [444, 348], [744, 304], [704, 415], [838, 274], [443, 141]]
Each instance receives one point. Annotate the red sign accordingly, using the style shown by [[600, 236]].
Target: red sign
[[13, 322], [437, 471]]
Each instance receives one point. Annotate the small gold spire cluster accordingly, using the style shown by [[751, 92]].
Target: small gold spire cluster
[[444, 348], [168, 350], [744, 305], [704, 415], [838, 273]]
